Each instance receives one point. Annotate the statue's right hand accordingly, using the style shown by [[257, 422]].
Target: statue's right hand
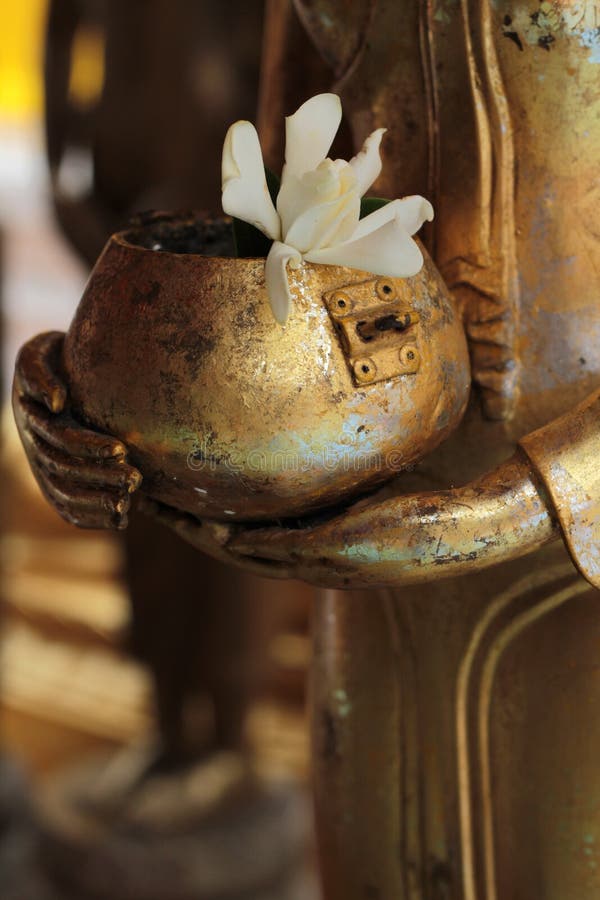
[[82, 473]]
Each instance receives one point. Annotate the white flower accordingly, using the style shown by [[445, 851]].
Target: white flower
[[318, 207]]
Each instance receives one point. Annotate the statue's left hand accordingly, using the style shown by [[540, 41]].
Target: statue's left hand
[[84, 474]]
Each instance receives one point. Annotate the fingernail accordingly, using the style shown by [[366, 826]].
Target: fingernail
[[55, 400], [120, 522], [242, 548], [222, 533], [133, 482], [115, 450]]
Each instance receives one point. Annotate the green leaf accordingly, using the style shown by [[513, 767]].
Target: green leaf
[[273, 184], [370, 204], [249, 241]]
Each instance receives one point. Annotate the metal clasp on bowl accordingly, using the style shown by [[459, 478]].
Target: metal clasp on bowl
[[376, 326]]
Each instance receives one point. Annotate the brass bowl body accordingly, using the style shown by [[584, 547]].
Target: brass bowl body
[[228, 414]]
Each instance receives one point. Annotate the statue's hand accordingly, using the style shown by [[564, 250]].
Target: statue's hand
[[82, 473], [320, 554], [211, 538], [306, 554]]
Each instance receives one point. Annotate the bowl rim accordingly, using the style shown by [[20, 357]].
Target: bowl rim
[[119, 238], [122, 237]]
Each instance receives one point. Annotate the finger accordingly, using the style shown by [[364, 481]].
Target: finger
[[215, 534], [90, 520], [112, 474], [83, 507], [83, 517], [275, 545], [36, 368], [192, 529], [84, 499], [278, 557], [66, 435]]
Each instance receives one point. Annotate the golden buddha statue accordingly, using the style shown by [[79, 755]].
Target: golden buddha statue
[[454, 677]]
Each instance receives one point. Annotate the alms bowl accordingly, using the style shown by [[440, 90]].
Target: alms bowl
[[230, 415]]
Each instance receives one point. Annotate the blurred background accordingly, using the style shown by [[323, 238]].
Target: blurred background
[[109, 644]]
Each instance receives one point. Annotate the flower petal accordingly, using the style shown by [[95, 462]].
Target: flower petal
[[326, 223], [367, 163], [297, 195], [276, 279], [309, 133], [410, 212], [388, 250], [245, 192]]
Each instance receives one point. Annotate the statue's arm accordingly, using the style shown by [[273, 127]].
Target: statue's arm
[[550, 486], [417, 537], [566, 456], [82, 473]]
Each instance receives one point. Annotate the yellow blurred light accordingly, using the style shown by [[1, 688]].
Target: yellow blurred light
[[86, 78], [21, 53], [23, 25]]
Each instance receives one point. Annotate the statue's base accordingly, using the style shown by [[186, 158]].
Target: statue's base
[[206, 832]]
